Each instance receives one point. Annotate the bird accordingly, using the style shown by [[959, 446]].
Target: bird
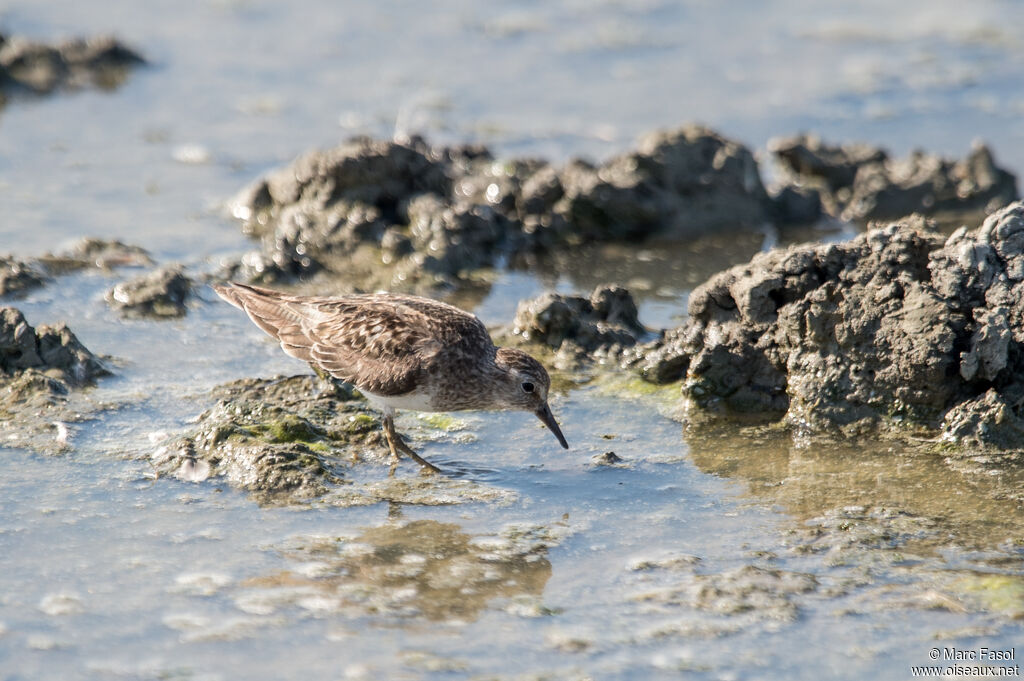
[[401, 352]]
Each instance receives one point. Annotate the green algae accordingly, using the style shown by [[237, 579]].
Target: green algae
[[290, 428], [665, 398], [443, 421], [1003, 594]]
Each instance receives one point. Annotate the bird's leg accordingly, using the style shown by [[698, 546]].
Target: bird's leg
[[390, 435], [416, 457], [396, 445]]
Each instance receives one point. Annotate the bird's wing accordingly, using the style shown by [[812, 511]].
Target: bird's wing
[[381, 343]]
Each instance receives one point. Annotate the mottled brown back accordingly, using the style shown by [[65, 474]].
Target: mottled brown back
[[383, 343]]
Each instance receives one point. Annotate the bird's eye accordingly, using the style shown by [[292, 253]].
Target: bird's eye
[[527, 387]]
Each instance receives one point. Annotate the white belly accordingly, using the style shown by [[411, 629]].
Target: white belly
[[418, 400]]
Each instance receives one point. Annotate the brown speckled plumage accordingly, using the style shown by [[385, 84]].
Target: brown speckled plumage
[[402, 351]]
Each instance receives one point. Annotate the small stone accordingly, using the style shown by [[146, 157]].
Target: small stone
[[161, 294], [17, 277], [607, 459], [61, 604], [606, 319]]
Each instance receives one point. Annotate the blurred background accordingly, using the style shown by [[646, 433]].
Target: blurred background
[[236, 88]]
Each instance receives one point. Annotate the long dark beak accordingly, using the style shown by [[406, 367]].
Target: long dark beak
[[548, 419]]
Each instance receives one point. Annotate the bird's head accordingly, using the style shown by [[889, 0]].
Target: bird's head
[[526, 385]]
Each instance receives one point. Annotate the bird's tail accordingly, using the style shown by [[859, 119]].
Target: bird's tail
[[229, 293], [237, 294], [276, 313]]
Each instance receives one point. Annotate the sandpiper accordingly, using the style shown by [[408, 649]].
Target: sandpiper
[[402, 352]]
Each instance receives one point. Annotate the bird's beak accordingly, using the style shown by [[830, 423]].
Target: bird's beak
[[548, 419]]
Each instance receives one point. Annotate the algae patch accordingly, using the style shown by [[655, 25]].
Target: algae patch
[[666, 399], [1003, 594], [445, 422]]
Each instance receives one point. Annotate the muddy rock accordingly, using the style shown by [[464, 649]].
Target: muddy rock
[[807, 156], [161, 293], [53, 350], [894, 328], [337, 200], [363, 204], [264, 268], [290, 440], [90, 252], [272, 437], [17, 277], [452, 239], [397, 214], [861, 182], [985, 422], [927, 183], [684, 183], [796, 205], [37, 67], [601, 325], [39, 368]]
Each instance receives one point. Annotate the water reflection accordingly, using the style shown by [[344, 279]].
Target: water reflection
[[416, 569], [655, 267], [967, 508]]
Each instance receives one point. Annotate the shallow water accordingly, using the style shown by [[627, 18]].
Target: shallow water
[[868, 557]]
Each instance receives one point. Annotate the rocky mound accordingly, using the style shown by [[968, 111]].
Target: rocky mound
[[892, 328], [38, 369], [53, 350], [687, 182], [40, 68], [102, 254], [596, 327], [435, 213], [861, 182], [290, 440], [161, 293], [18, 276], [408, 215], [270, 437]]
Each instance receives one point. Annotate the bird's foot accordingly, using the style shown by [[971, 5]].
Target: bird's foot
[[395, 444], [427, 466]]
